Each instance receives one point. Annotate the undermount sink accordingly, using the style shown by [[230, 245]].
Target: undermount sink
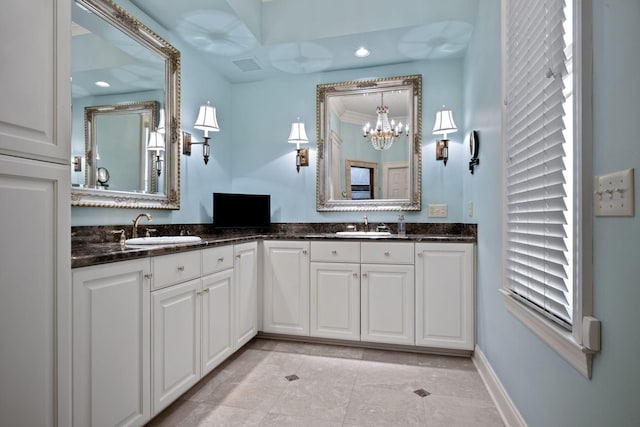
[[363, 233], [161, 240]]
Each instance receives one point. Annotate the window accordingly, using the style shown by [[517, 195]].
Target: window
[[544, 85]]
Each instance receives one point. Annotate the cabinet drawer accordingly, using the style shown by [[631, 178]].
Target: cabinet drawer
[[387, 252], [174, 268], [217, 259], [333, 251]]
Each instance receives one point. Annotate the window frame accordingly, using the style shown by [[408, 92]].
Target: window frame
[[569, 344]]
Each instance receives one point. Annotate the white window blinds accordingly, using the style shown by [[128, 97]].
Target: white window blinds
[[537, 210]]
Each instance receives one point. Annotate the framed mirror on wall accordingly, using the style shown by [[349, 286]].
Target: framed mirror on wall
[[125, 111], [369, 138]]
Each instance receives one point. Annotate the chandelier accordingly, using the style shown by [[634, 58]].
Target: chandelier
[[385, 132]]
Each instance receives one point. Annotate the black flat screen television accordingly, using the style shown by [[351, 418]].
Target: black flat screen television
[[232, 210]]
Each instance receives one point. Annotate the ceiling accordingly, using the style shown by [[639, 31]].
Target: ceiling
[[252, 40]]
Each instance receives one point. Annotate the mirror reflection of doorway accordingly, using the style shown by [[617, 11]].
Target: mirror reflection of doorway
[[361, 180], [395, 180]]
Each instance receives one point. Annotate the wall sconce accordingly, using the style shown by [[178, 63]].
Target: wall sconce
[[444, 124], [299, 136], [76, 161], [156, 143], [207, 122], [474, 147]]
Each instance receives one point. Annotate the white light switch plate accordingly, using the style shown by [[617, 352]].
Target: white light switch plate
[[437, 211], [614, 194]]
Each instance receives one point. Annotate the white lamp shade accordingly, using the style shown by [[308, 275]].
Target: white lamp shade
[[298, 134], [156, 141], [444, 123], [207, 120]]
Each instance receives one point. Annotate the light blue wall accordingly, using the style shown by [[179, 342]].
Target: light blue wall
[[251, 153], [264, 162], [198, 181], [545, 388]]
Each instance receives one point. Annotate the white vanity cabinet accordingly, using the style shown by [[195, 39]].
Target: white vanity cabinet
[[445, 295], [176, 324], [217, 306], [111, 338], [335, 290], [246, 292], [176, 340], [198, 323], [286, 287], [387, 292]]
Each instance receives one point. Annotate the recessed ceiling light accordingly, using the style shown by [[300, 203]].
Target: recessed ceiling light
[[362, 52], [103, 84]]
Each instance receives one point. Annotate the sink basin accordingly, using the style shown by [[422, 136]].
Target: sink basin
[[371, 234], [161, 240]]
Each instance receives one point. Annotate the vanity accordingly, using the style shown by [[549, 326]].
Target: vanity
[[148, 324]]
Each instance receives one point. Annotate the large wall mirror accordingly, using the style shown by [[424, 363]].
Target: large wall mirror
[[125, 111], [369, 138]]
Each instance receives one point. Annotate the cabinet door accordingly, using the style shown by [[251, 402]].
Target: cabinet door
[[35, 85], [335, 300], [286, 287], [111, 344], [445, 295], [246, 292], [217, 319], [387, 303], [175, 341]]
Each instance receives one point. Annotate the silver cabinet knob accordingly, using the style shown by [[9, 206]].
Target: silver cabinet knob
[[387, 253], [148, 276], [181, 268], [221, 259], [334, 252], [304, 251]]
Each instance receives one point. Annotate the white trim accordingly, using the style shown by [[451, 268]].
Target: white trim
[[557, 338], [506, 408]]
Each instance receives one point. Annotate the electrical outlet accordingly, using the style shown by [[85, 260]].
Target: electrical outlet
[[613, 194], [470, 209], [437, 211]]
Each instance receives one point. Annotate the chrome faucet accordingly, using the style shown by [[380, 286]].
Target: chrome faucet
[[136, 221], [366, 224]]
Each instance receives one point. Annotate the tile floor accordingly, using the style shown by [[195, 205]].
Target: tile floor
[[335, 386]]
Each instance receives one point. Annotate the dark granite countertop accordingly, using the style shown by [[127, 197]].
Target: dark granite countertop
[[87, 252]]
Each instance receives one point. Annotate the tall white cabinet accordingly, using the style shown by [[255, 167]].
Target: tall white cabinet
[[445, 295], [35, 313]]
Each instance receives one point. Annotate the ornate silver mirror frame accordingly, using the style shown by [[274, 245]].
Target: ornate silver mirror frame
[[326, 137], [170, 199]]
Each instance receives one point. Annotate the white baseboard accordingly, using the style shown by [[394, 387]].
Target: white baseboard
[[501, 399]]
